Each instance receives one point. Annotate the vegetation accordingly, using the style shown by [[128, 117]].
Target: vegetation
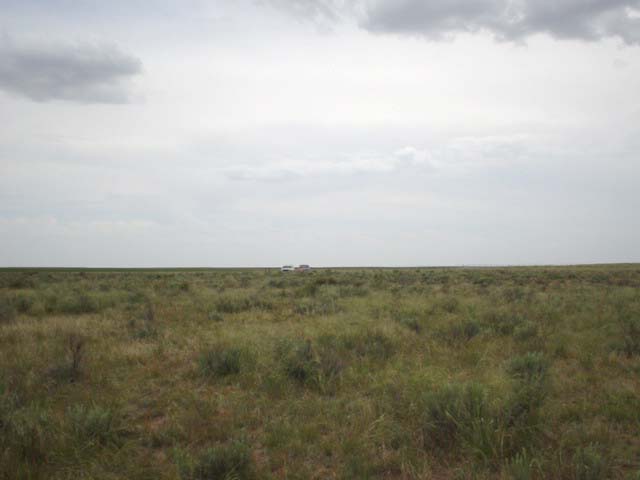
[[479, 373]]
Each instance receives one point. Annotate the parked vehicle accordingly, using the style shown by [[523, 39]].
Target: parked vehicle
[[287, 268]]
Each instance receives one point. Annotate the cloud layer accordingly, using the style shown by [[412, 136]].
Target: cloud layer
[[83, 73], [512, 20]]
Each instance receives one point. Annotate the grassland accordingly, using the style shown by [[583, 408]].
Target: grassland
[[508, 373]]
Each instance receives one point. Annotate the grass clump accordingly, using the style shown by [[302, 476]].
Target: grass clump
[[530, 389], [590, 464], [369, 344], [315, 366], [454, 414], [72, 368], [144, 326], [630, 344], [222, 462], [460, 332], [7, 310], [220, 361], [532, 367], [94, 424]]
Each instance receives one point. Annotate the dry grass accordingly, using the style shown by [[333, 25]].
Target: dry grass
[[412, 374]]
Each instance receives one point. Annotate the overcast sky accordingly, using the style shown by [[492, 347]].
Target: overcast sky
[[330, 132]]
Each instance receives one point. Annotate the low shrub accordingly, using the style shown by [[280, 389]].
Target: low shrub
[[224, 462]]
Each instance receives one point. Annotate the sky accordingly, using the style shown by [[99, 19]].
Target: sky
[[211, 133]]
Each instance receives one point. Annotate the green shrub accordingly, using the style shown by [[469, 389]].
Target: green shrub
[[224, 462], [220, 361], [94, 424]]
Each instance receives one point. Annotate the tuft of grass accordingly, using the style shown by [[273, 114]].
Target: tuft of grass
[[309, 365], [460, 332], [94, 424], [7, 310], [590, 464], [523, 466], [72, 368], [529, 368], [220, 361], [454, 413], [222, 462]]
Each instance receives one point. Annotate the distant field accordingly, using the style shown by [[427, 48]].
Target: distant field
[[444, 373]]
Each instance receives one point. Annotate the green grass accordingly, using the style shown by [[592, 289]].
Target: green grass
[[484, 373]]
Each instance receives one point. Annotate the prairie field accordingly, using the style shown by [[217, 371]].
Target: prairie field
[[428, 373]]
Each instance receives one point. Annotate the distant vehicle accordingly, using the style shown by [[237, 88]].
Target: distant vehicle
[[303, 268], [287, 268]]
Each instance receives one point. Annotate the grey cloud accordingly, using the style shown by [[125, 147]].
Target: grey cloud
[[512, 20], [84, 73]]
